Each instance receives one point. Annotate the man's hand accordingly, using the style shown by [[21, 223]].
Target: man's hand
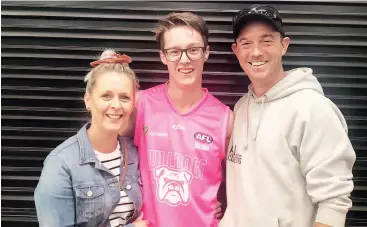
[[218, 210]]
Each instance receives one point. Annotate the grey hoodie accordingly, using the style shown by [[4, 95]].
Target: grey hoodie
[[290, 160]]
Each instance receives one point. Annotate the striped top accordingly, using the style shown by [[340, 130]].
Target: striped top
[[125, 207]]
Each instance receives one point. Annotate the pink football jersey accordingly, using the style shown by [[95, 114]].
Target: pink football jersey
[[180, 158]]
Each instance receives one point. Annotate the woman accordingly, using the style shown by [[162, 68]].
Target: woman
[[92, 179]]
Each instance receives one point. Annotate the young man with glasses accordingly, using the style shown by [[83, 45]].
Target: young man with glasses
[[181, 131]]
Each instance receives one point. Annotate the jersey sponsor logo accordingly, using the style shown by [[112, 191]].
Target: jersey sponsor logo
[[203, 138], [178, 127], [152, 133], [146, 129], [202, 141], [200, 146], [233, 156]]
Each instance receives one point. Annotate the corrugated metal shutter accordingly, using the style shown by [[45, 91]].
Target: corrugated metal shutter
[[47, 46]]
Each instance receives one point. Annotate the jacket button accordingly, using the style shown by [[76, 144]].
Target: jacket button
[[128, 187], [89, 193]]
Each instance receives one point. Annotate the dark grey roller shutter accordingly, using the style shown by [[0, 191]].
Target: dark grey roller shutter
[[47, 46]]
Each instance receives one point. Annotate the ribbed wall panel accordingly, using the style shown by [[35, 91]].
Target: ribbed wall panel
[[47, 47]]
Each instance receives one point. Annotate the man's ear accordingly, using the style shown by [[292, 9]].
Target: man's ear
[[206, 53], [163, 57], [285, 45], [234, 48]]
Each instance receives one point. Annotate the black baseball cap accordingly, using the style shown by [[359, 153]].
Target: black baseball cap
[[254, 13]]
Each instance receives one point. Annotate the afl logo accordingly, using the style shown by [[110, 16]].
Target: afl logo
[[203, 138]]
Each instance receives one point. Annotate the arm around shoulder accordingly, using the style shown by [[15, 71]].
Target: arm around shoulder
[[53, 196], [327, 158]]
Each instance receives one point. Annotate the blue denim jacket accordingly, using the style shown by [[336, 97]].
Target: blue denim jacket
[[75, 189]]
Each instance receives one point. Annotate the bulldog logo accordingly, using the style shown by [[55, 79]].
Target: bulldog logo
[[173, 186]]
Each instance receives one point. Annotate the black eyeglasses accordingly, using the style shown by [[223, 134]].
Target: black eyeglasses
[[175, 54]]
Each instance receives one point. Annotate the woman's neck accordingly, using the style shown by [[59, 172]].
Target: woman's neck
[[102, 141]]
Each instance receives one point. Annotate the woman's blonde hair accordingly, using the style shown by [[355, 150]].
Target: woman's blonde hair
[[123, 68]]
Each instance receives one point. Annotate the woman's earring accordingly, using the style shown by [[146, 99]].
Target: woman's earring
[[88, 109]]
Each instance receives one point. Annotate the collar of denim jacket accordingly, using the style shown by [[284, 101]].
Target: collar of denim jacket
[[86, 151]]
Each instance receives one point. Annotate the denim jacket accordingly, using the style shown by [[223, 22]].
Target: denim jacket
[[75, 189]]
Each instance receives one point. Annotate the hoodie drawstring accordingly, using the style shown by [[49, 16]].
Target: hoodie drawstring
[[260, 118], [247, 122]]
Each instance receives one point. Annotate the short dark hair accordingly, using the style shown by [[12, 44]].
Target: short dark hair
[[181, 19]]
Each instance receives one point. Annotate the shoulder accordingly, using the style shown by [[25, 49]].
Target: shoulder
[[312, 106], [215, 102], [153, 90], [310, 102], [69, 146], [230, 124], [132, 149], [65, 155], [59, 160], [241, 102], [156, 93]]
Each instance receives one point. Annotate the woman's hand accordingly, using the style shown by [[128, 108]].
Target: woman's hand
[[139, 222]]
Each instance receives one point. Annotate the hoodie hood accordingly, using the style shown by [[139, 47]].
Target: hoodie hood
[[295, 80]]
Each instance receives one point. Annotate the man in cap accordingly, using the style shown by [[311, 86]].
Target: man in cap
[[290, 160]]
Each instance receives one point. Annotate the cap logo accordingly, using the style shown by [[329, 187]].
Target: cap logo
[[256, 10]]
